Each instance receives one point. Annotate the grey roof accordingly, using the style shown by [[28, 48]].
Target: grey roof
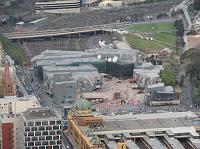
[[40, 113], [54, 57]]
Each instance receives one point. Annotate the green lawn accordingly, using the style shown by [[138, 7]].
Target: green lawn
[[163, 34]]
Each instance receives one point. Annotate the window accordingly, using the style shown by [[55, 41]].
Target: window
[[41, 138], [52, 142], [41, 147], [41, 128], [27, 139], [55, 127], [52, 133], [30, 143], [56, 147], [52, 123], [37, 143], [48, 137], [48, 127], [34, 139], [30, 123], [56, 137], [33, 128], [45, 123], [59, 142], [45, 133], [30, 133], [37, 133], [27, 128], [58, 122], [58, 132], [44, 143], [37, 123]]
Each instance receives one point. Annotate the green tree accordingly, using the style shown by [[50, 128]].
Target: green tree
[[168, 77], [198, 95], [178, 24]]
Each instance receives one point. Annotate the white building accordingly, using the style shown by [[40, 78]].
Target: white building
[[13, 104], [42, 129]]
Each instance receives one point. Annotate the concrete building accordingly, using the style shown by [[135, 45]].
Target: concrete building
[[58, 6], [14, 105], [11, 132], [42, 129], [159, 94], [64, 83]]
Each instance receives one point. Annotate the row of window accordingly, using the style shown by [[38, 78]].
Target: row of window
[[39, 143], [42, 128], [46, 147], [43, 123], [41, 138], [38, 133]]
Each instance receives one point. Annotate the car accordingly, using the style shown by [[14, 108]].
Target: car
[[67, 146]]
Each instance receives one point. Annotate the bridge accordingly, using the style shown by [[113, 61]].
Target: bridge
[[184, 6], [74, 31]]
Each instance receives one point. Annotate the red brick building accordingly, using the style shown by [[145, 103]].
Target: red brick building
[[7, 135]]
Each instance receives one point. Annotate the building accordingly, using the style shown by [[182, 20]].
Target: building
[[111, 4], [159, 94], [147, 74], [58, 6], [10, 132], [102, 59], [79, 117], [42, 129], [137, 131], [14, 105], [64, 83], [164, 53]]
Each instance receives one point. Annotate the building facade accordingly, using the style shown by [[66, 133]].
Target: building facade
[[11, 132], [42, 129]]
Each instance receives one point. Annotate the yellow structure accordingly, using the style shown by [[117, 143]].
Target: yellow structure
[[81, 119], [121, 145]]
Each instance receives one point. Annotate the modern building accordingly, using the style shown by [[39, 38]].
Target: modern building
[[159, 94], [64, 83], [117, 62], [14, 105], [42, 129], [58, 6], [89, 130], [11, 132]]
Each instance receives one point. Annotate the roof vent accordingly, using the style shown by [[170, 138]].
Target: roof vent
[[43, 114]]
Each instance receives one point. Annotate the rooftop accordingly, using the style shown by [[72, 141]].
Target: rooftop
[[146, 122], [40, 113]]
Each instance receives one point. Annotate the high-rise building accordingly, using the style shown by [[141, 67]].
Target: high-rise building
[[42, 129]]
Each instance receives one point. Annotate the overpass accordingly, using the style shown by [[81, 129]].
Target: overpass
[[184, 6], [60, 32], [75, 31]]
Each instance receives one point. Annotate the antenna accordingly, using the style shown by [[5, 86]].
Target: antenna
[[115, 58], [99, 56]]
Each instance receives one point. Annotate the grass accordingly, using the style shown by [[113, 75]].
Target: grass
[[163, 34], [15, 53]]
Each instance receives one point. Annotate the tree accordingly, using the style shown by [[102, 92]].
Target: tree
[[198, 95], [168, 77], [178, 24], [197, 5]]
